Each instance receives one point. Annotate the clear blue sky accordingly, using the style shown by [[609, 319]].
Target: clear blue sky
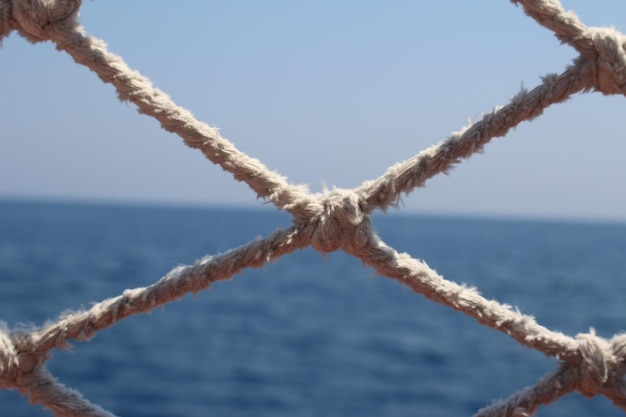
[[323, 92]]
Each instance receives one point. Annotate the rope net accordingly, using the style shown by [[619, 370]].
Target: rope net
[[339, 219]]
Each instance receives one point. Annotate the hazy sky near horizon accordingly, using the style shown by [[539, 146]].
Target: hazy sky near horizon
[[324, 92]]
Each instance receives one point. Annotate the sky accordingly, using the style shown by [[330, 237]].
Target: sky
[[326, 93]]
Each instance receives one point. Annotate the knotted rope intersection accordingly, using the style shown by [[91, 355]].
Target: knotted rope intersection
[[334, 220]]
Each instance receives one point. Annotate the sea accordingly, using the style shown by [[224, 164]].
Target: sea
[[307, 335]]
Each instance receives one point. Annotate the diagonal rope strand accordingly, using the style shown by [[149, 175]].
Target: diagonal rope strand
[[526, 402], [43, 389], [176, 284], [138, 89], [422, 279], [565, 25], [439, 158]]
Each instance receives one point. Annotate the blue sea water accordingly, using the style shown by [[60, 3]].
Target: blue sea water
[[306, 335]]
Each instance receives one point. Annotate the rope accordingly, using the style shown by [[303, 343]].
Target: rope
[[334, 220]]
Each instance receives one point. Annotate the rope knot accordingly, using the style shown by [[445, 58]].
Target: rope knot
[[17, 358], [610, 66], [597, 364], [33, 17], [339, 222], [9, 363]]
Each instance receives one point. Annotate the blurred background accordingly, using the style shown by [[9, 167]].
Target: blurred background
[[325, 93], [95, 198]]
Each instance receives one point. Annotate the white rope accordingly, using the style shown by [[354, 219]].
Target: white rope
[[335, 220]]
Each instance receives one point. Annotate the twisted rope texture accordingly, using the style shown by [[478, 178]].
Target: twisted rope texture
[[335, 220]]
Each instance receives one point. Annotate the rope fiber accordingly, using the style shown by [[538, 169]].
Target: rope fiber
[[337, 219]]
